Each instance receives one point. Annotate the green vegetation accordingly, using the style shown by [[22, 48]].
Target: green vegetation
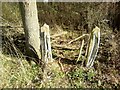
[[79, 76]]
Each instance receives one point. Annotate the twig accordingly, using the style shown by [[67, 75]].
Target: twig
[[61, 66], [80, 50]]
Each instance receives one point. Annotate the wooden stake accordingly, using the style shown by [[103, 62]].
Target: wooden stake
[[46, 52]]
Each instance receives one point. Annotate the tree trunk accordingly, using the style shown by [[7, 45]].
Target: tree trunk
[[31, 28], [0, 28]]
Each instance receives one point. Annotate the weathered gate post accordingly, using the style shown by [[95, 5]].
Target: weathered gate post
[[46, 53]]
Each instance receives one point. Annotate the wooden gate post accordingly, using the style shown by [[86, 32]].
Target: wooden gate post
[[93, 46], [46, 52]]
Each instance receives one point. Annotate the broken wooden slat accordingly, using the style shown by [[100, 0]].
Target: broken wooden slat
[[49, 51], [93, 47], [46, 52], [43, 45]]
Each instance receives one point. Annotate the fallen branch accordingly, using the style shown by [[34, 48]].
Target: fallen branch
[[64, 47], [78, 38], [56, 35], [62, 57]]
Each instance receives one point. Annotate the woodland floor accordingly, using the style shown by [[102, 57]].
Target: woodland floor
[[105, 73]]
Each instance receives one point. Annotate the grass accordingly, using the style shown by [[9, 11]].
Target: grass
[[16, 72]]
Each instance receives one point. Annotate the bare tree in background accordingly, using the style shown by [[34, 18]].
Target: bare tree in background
[[31, 28]]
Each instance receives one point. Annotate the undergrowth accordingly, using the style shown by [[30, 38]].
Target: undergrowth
[[16, 72]]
